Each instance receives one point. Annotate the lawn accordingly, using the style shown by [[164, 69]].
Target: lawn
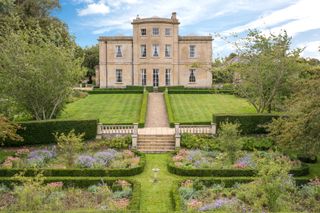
[[108, 108], [188, 108]]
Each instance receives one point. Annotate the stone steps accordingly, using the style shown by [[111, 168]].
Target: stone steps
[[156, 143]]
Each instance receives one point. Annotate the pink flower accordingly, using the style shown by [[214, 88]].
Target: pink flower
[[135, 161], [22, 151], [123, 183], [8, 163], [240, 165], [128, 154], [177, 158], [194, 204], [55, 184]]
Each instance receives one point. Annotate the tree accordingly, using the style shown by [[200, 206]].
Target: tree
[[267, 68], [299, 132], [41, 73], [91, 59], [8, 130]]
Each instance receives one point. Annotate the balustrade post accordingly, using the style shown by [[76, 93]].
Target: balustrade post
[[99, 132], [177, 135], [135, 136], [213, 128]]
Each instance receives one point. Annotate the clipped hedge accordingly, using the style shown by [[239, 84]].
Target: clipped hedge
[[302, 171], [227, 182], [79, 172], [249, 123], [169, 109], [144, 108], [83, 182], [42, 132], [115, 91]]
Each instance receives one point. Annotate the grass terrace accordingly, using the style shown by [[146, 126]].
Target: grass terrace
[[193, 108], [108, 108]]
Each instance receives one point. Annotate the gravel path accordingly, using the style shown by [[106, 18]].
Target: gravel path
[[157, 113]]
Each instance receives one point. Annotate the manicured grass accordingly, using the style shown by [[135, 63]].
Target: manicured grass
[[188, 108], [155, 197], [108, 108]]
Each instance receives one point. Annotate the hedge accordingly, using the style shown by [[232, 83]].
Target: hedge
[[169, 109], [144, 108], [249, 123], [228, 182], [79, 172], [83, 182], [42, 132], [115, 91], [302, 171]]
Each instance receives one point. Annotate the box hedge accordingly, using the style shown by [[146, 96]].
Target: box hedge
[[249, 123], [42, 132], [79, 172], [84, 182], [302, 171]]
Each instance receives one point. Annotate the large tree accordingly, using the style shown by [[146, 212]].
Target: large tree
[[36, 73], [91, 59], [299, 131], [267, 68]]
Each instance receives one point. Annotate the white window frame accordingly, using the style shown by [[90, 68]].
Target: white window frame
[[155, 49], [145, 29], [192, 76], [143, 53], [167, 32], [118, 75], [144, 77], [167, 77], [155, 29], [119, 51], [167, 51], [192, 51]]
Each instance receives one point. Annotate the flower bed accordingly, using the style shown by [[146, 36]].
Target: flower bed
[[106, 162], [63, 194], [215, 163], [246, 195]]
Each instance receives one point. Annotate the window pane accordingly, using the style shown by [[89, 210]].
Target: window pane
[[168, 32], [143, 50], [168, 77], [143, 77], [155, 50], [168, 50], [143, 32]]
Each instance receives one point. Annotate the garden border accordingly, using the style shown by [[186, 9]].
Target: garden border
[[302, 171], [134, 204], [79, 172]]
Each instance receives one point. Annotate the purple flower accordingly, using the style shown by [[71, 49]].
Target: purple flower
[[86, 161], [246, 161], [218, 203], [105, 157], [40, 157]]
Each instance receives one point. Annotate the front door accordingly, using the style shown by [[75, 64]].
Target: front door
[[155, 77]]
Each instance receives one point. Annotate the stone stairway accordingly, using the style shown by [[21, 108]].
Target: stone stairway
[[156, 143]]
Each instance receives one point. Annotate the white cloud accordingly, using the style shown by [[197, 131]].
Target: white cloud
[[94, 9], [311, 49]]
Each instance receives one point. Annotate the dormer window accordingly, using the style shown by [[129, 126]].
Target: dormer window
[[168, 32], [155, 50], [155, 31], [143, 31], [118, 51]]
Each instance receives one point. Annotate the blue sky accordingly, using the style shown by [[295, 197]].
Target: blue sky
[[89, 19]]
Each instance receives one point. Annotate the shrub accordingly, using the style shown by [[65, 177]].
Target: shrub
[[249, 123], [258, 143], [229, 140], [203, 142], [69, 145], [117, 143], [42, 132]]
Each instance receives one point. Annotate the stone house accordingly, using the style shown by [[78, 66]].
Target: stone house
[[154, 56]]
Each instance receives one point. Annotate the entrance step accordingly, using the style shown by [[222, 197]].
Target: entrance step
[[156, 143]]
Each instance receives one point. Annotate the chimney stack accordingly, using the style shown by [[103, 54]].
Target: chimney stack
[[174, 16]]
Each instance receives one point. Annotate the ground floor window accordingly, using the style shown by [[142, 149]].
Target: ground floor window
[[192, 76], [168, 77], [143, 77], [118, 75], [155, 77]]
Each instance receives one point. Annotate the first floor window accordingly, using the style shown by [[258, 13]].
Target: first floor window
[[155, 31], [119, 75], [192, 51], [118, 51], [167, 51], [143, 31], [192, 76], [155, 50], [143, 49], [168, 76], [143, 77], [167, 31]]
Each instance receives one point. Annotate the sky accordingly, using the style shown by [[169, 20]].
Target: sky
[[89, 19]]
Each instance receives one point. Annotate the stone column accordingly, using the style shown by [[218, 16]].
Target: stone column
[[213, 128], [99, 132], [177, 135], [103, 64], [97, 78]]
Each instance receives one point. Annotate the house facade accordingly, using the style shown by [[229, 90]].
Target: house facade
[[154, 56]]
